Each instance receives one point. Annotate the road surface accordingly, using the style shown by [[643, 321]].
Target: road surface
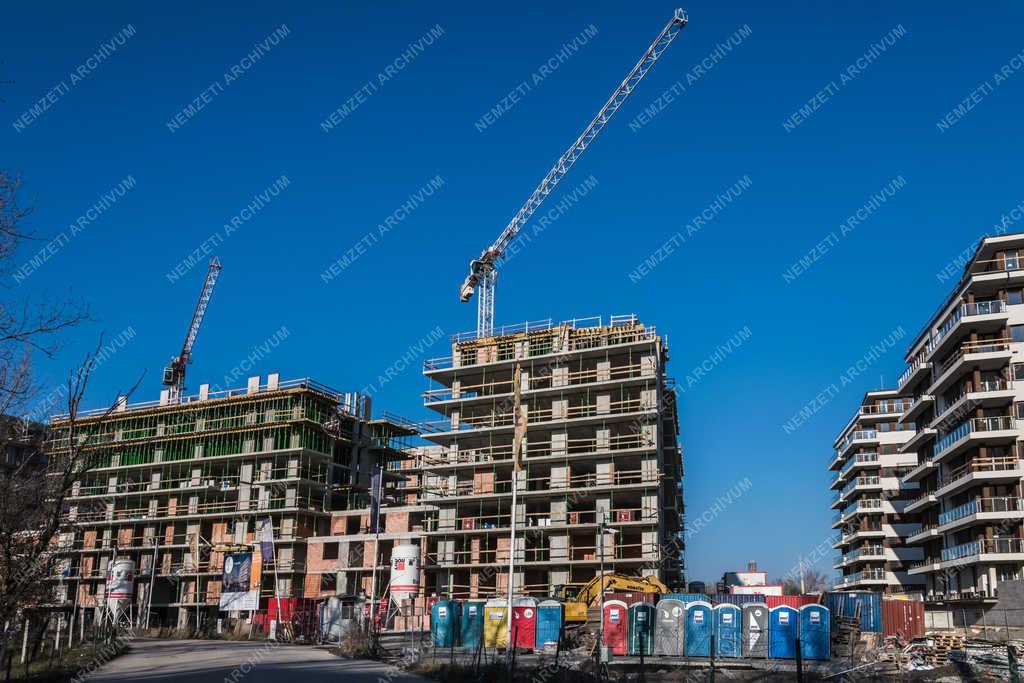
[[205, 661]]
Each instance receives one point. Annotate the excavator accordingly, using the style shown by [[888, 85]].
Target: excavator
[[578, 600]]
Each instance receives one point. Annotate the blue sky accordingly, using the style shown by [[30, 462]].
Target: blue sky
[[864, 127]]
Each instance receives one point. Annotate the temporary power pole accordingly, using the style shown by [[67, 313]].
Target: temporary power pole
[[375, 493], [518, 434], [800, 562]]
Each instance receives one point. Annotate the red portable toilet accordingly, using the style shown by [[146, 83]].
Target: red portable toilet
[[524, 623], [616, 623]]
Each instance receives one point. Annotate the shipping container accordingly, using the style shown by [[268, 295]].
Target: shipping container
[[794, 601], [738, 599], [685, 597], [902, 618], [847, 604], [632, 597], [698, 587]]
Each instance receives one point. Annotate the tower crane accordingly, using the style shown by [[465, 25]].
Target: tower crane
[[482, 273], [174, 374]]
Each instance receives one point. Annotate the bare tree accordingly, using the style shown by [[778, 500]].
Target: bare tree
[[814, 582], [33, 488]]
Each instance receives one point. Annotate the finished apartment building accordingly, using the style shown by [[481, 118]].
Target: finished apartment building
[[965, 385], [953, 435], [586, 411], [175, 484], [872, 454]]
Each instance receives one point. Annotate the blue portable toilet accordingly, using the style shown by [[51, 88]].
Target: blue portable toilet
[[783, 622], [728, 620], [815, 632], [472, 624], [549, 622], [444, 623], [699, 617]]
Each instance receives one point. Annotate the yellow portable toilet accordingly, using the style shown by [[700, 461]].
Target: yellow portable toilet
[[496, 623]]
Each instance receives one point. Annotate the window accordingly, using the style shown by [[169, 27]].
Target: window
[[1013, 296], [330, 551], [1018, 370], [1011, 260], [1019, 410], [1017, 332], [328, 583]]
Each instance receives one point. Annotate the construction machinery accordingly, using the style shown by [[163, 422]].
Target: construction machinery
[[174, 374], [578, 600], [482, 273]]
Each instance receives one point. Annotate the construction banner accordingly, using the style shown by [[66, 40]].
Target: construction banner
[[375, 495], [236, 582], [265, 536]]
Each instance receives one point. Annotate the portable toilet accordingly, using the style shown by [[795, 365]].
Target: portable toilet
[[815, 632], [782, 630], [444, 623], [755, 630], [549, 622], [496, 623], [699, 616], [669, 627], [472, 624], [728, 622], [524, 623], [641, 628], [616, 625]]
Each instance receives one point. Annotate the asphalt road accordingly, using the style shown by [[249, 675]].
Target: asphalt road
[[166, 661]]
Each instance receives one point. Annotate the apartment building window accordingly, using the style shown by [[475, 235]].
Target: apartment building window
[[1011, 260], [1018, 410], [1017, 332], [330, 551], [1014, 296], [1018, 370]]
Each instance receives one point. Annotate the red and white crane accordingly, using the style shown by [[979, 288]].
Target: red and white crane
[[482, 273], [174, 374]]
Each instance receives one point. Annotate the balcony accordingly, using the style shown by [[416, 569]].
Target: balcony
[[988, 546], [860, 437], [861, 483], [917, 369], [918, 440], [921, 502], [984, 354], [927, 532], [980, 509], [885, 410], [981, 314], [916, 408], [1007, 468], [923, 467], [993, 428], [994, 393]]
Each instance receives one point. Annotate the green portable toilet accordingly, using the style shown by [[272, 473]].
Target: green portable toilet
[[640, 635], [444, 623], [473, 624]]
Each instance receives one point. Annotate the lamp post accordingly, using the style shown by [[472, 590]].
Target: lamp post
[[602, 529]]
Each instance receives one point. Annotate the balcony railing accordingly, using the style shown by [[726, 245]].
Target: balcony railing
[[886, 408], [911, 368], [996, 546], [966, 310], [973, 507], [977, 424], [1001, 464], [860, 481], [854, 436], [859, 458]]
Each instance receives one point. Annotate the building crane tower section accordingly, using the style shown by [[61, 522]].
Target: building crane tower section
[[174, 374], [482, 273]]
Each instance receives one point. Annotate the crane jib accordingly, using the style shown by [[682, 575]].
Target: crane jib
[[481, 269]]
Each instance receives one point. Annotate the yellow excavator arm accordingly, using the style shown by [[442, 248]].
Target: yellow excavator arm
[[590, 594]]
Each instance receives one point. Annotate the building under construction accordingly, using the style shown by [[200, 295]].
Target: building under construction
[[177, 483], [586, 413]]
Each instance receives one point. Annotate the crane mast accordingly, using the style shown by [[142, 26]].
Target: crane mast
[[174, 374], [482, 270]]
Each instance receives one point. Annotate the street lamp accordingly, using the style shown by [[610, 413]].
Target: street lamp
[[602, 529]]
